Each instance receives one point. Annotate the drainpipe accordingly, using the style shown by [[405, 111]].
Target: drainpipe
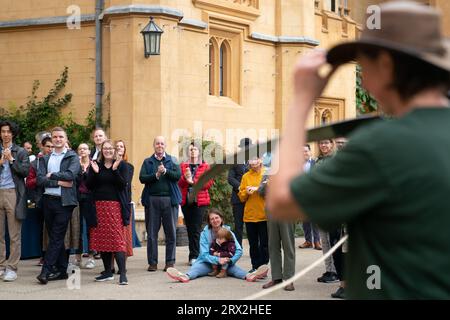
[[99, 88]]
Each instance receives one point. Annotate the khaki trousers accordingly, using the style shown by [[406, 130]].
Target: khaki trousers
[[7, 210], [281, 236]]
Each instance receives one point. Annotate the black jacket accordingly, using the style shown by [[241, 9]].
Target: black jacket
[[86, 200], [121, 188], [69, 169], [234, 179], [19, 171]]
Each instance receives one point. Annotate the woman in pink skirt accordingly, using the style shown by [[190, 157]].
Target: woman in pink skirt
[[107, 180]]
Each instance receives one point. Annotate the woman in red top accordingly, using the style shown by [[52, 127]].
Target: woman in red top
[[194, 209]]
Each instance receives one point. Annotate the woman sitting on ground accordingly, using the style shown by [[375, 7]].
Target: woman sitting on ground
[[205, 261]]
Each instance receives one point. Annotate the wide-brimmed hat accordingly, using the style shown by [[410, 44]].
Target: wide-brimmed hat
[[405, 26]]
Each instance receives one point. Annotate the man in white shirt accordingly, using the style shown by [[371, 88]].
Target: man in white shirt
[[57, 174]]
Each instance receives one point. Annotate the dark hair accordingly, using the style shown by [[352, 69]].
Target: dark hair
[[411, 75], [308, 146], [45, 140], [213, 211], [12, 126], [198, 145]]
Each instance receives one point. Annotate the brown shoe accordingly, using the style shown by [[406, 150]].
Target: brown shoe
[[215, 272], [222, 274], [271, 284], [169, 265], [305, 245], [152, 267], [317, 246], [289, 287]]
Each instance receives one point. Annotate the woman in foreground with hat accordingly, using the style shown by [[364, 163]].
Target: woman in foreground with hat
[[391, 184]]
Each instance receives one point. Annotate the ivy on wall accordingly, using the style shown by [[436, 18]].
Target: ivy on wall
[[365, 103], [43, 114]]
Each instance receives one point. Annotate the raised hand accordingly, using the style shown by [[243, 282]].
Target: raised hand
[[7, 154], [310, 77], [188, 176], [117, 162], [95, 167]]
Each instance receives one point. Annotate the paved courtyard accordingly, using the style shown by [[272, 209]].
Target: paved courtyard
[[157, 285]]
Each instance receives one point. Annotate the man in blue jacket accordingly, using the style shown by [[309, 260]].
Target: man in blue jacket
[[161, 197]]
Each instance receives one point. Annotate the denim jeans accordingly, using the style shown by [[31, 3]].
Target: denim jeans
[[200, 269], [314, 237]]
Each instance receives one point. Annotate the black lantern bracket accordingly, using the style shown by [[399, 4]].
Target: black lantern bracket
[[152, 38]]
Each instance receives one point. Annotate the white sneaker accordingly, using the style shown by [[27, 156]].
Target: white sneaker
[[90, 264], [260, 273], [9, 276], [177, 275]]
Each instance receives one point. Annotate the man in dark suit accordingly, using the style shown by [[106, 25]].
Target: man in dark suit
[[98, 136], [311, 231], [234, 179]]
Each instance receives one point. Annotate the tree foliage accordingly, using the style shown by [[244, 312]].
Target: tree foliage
[[43, 114], [365, 103]]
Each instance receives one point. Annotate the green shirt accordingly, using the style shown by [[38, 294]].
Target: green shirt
[[391, 184]]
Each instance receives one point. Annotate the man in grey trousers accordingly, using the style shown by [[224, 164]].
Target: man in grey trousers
[[161, 197], [281, 235]]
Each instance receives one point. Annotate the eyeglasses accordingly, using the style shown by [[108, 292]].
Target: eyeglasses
[[108, 149], [47, 146]]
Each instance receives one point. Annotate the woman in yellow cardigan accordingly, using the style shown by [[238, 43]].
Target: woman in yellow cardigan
[[254, 214]]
